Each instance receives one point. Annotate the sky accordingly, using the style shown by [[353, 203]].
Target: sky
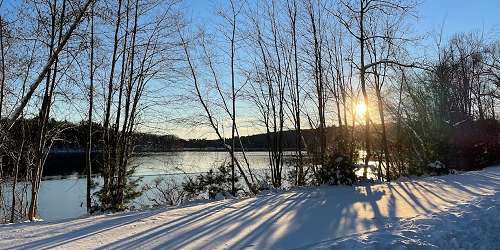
[[456, 15], [450, 16], [459, 15]]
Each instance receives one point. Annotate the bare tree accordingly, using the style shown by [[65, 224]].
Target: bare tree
[[314, 12], [107, 169], [2, 67], [2, 87], [295, 91], [144, 56], [44, 141], [233, 90], [353, 15], [90, 113], [271, 76], [209, 114]]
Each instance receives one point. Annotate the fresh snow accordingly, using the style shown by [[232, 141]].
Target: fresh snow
[[460, 211]]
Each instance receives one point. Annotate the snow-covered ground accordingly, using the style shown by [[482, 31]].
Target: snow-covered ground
[[459, 211]]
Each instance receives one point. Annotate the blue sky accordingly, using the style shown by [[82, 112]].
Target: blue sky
[[455, 15], [459, 15], [452, 16]]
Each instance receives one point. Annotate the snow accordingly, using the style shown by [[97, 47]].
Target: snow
[[436, 164], [459, 211]]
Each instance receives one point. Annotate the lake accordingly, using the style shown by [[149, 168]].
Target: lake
[[63, 197]]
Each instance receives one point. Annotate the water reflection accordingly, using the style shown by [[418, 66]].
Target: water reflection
[[63, 196], [191, 162], [371, 171]]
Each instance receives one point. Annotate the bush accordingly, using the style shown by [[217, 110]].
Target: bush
[[214, 182], [437, 168], [337, 170], [165, 191]]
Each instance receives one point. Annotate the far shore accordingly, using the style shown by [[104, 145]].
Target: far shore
[[208, 149]]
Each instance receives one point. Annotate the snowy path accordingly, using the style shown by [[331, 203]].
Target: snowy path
[[425, 213]]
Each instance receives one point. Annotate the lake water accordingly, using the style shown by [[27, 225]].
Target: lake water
[[192, 161], [64, 196]]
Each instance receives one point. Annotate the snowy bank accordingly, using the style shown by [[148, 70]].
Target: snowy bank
[[454, 211]]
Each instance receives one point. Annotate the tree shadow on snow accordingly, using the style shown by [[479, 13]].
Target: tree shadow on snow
[[288, 220], [270, 221]]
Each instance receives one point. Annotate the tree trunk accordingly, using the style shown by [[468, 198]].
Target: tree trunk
[[233, 127], [108, 173], [91, 108], [384, 135], [2, 68], [363, 88], [300, 169]]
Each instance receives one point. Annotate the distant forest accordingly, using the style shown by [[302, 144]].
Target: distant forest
[[67, 154], [71, 137]]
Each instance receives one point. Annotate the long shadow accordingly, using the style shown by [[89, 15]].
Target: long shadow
[[107, 225], [432, 203], [241, 217], [84, 232], [402, 196], [318, 217], [430, 192], [66, 223], [249, 217], [464, 187], [278, 208], [426, 195], [266, 226], [219, 224], [391, 202], [444, 185], [482, 180], [415, 201], [493, 176], [372, 201], [153, 233]]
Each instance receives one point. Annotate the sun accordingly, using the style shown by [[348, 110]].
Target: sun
[[360, 109]]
